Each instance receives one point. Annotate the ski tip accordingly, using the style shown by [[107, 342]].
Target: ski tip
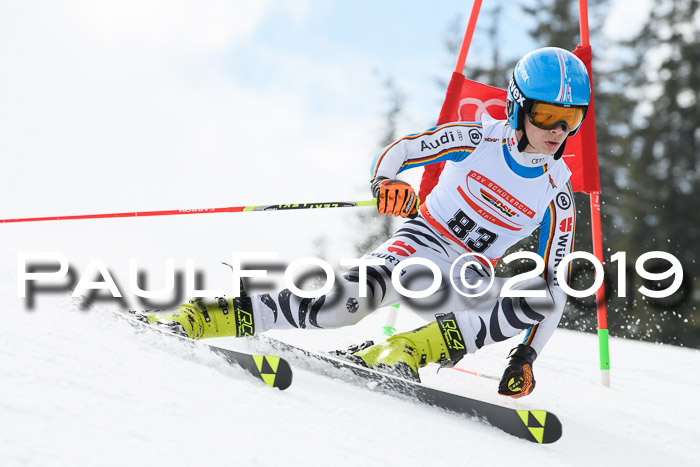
[[274, 371], [543, 427]]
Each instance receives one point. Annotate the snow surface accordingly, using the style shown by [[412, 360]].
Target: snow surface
[[96, 122], [81, 388]]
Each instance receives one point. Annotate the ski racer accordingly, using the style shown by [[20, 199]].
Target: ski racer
[[503, 179]]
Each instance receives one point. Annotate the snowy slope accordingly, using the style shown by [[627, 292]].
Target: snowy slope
[[81, 388]]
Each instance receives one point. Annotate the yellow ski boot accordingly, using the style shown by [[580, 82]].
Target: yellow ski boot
[[401, 355], [200, 320]]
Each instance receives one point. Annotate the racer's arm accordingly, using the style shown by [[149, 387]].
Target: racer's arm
[[556, 240], [453, 141]]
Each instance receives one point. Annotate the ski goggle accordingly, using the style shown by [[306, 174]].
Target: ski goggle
[[547, 116]]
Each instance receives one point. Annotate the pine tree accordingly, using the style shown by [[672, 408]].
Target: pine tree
[[649, 168], [647, 118], [662, 180], [497, 71], [380, 228]]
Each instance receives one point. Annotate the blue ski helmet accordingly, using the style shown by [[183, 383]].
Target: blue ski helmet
[[551, 75]]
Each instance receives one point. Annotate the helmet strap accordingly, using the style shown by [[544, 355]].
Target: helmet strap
[[525, 109], [560, 151], [523, 142]]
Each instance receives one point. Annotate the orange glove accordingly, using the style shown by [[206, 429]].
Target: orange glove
[[395, 198], [518, 380]]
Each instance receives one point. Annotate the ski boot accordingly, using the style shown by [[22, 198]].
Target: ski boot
[[199, 320], [401, 355]]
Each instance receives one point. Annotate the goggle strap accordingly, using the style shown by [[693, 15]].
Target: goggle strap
[[524, 112]]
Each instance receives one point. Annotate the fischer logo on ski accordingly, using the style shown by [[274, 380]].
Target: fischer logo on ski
[[537, 426]]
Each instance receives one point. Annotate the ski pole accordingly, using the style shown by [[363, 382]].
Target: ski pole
[[476, 373], [176, 212]]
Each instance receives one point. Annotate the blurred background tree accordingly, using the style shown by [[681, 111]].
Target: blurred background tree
[[647, 113], [648, 134], [378, 228]]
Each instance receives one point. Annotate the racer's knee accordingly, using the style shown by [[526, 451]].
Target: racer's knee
[[533, 298]]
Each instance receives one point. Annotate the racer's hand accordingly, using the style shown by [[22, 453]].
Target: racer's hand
[[395, 198], [518, 380]]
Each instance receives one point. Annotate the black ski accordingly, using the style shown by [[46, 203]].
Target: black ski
[[538, 426], [271, 369]]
